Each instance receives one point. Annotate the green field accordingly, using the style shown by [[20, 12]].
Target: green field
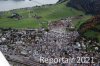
[[93, 34], [48, 13]]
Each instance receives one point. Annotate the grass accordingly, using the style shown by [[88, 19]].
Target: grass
[[79, 22], [92, 34], [48, 13]]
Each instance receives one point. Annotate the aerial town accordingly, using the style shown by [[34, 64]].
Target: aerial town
[[55, 34], [24, 47]]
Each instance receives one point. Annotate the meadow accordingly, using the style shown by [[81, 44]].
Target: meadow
[[48, 14]]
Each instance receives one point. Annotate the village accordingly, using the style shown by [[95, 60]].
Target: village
[[24, 47]]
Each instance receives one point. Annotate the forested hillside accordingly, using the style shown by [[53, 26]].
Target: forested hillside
[[89, 6]]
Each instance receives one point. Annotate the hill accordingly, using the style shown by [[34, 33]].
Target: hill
[[91, 28], [88, 6], [38, 16]]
